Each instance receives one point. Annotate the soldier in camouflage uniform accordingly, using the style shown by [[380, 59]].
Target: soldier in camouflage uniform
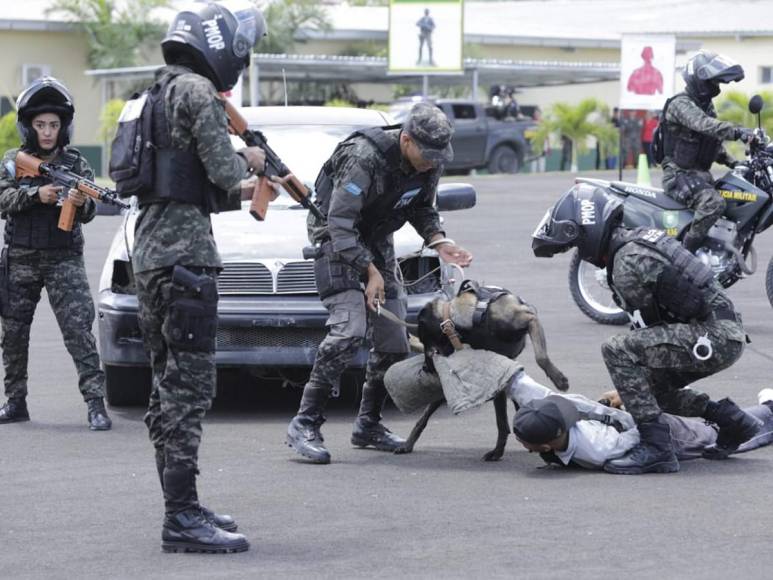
[[374, 182], [692, 141], [685, 326], [39, 255], [175, 259]]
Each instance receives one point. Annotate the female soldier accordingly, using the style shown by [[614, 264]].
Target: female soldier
[[38, 254]]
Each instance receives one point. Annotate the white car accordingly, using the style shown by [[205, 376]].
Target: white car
[[270, 318]]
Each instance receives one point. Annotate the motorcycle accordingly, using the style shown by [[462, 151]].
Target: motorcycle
[[728, 248]]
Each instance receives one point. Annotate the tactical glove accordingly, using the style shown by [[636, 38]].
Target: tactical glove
[[747, 136]]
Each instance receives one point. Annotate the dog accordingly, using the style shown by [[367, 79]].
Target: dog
[[485, 317]]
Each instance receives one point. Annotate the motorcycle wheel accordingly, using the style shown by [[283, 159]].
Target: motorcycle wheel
[[769, 281], [591, 293]]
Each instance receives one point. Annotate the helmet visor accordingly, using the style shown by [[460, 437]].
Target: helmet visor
[[720, 69], [246, 34]]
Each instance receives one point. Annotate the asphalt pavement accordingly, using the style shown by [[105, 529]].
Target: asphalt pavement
[[77, 504]]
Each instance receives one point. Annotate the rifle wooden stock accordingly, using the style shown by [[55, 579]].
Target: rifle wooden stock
[[27, 165], [30, 166]]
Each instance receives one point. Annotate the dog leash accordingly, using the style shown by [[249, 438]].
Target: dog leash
[[389, 315], [449, 328]]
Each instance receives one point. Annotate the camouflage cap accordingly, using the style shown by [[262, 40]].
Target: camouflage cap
[[431, 130]]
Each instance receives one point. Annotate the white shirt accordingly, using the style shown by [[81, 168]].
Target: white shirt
[[592, 443]]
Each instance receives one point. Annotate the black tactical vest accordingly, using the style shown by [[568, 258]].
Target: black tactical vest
[[37, 228], [178, 175], [687, 148], [685, 286], [387, 213], [484, 333]]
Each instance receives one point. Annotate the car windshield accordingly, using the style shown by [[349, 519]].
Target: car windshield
[[304, 149]]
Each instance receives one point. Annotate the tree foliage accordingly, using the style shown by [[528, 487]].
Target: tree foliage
[[285, 17], [108, 120], [589, 118], [117, 32], [733, 106], [9, 138]]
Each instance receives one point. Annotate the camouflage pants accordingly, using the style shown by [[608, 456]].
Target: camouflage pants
[[63, 274], [183, 380], [707, 204], [651, 366], [350, 323]]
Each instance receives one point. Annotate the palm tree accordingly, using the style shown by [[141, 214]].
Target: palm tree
[[577, 123], [116, 36], [734, 107], [285, 17]]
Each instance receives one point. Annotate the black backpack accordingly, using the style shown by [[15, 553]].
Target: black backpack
[[658, 145], [133, 154]]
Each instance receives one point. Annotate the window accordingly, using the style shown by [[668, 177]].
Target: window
[[463, 111], [766, 75], [31, 72]]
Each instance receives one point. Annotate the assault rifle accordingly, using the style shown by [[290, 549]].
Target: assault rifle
[[30, 166], [263, 192]]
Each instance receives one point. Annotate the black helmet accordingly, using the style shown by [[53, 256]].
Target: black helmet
[[44, 95], [706, 70], [215, 39], [584, 218]]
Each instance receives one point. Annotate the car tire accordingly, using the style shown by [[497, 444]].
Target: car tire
[[127, 386], [504, 159]]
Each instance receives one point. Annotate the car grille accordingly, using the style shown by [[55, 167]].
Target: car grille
[[245, 279], [237, 338], [296, 278], [256, 279]]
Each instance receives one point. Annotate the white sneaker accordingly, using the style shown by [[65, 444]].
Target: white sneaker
[[764, 396]]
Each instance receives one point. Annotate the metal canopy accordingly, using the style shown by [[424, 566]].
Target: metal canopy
[[368, 69]]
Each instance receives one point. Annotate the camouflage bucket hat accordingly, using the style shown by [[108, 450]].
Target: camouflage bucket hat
[[430, 129]]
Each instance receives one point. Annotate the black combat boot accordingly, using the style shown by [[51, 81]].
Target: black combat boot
[[303, 432], [222, 521], [14, 411], [97, 415], [735, 427], [368, 430], [186, 528], [653, 454]]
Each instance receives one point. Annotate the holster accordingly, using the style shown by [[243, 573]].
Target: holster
[[333, 275], [192, 320], [5, 294]]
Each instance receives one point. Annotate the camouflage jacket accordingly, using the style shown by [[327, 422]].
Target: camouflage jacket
[[635, 275], [172, 232], [16, 197], [367, 198], [684, 115]]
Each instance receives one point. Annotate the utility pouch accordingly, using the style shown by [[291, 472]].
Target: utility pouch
[[332, 275], [680, 296], [5, 295], [192, 321]]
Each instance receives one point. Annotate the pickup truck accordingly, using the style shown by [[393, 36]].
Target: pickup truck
[[481, 140]]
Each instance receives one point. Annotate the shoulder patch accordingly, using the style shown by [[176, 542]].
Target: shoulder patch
[[353, 188]]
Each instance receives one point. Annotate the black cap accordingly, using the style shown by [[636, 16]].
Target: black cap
[[543, 420]]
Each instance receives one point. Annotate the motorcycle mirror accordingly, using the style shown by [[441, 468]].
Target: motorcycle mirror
[[755, 104]]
